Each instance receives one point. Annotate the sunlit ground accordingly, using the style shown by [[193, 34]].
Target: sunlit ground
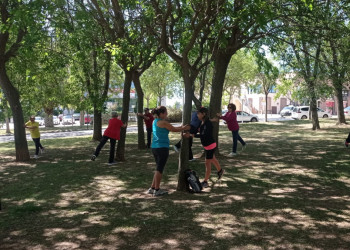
[[290, 189]]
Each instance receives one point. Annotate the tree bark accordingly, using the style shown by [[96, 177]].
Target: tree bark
[[187, 110], [12, 95], [120, 154], [338, 87], [140, 129], [221, 63], [97, 131]]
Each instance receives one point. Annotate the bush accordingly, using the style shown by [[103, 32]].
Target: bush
[[174, 115]]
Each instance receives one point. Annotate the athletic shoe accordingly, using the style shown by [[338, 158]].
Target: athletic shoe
[[150, 191], [244, 147], [193, 159], [112, 163], [35, 156], [346, 144], [205, 184], [220, 173], [93, 157], [42, 150], [176, 149], [160, 192], [232, 154]]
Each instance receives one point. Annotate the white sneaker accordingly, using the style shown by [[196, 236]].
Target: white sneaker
[[176, 149], [193, 159], [35, 156], [160, 192], [150, 191], [232, 154], [42, 150], [244, 147]]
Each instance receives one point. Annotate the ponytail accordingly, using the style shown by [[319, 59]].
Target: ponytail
[[157, 111]]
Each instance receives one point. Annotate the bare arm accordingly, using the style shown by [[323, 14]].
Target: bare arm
[[168, 126]]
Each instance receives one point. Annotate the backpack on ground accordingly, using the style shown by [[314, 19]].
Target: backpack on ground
[[192, 180]]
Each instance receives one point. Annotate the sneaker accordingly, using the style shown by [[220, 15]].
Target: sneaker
[[244, 147], [220, 173], [205, 184], [112, 163], [160, 192], [193, 159], [42, 150], [93, 157], [346, 144], [36, 156], [150, 191], [232, 154], [176, 149]]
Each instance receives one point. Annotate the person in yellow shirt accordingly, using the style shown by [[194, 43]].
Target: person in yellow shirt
[[33, 127]]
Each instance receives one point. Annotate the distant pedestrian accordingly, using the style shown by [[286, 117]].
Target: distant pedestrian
[[112, 133], [195, 123], [160, 146], [209, 144], [148, 118], [231, 120], [33, 127]]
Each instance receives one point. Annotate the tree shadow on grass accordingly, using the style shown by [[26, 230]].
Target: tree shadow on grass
[[283, 191]]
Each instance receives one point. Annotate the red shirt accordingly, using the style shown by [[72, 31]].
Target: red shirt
[[231, 121], [148, 122], [113, 129]]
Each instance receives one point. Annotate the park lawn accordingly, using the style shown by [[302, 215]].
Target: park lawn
[[290, 189]]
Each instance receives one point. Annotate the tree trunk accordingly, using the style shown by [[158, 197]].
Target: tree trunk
[[97, 131], [7, 120], [339, 96], [221, 63], [12, 95], [48, 117], [266, 106], [120, 154], [141, 134], [82, 119], [186, 119], [313, 106]]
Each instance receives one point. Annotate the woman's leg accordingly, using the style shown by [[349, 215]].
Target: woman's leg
[[37, 145], [161, 156], [240, 139], [234, 138], [207, 169], [111, 150], [100, 145]]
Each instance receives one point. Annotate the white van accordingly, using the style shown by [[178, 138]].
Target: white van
[[302, 112]]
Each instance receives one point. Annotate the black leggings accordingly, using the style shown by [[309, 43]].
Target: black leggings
[[348, 139], [111, 149], [161, 156], [37, 145]]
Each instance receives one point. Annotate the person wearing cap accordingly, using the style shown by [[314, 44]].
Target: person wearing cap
[[33, 127], [148, 118], [112, 133]]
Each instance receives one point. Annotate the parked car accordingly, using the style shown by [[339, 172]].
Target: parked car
[[76, 116], [56, 120], [302, 112], [347, 111], [40, 120], [287, 111], [68, 119], [243, 116]]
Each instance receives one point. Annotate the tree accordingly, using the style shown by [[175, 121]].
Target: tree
[[20, 23], [184, 30]]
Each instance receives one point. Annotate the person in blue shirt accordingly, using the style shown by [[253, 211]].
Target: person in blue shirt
[[195, 123], [160, 146]]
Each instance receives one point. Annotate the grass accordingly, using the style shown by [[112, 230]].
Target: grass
[[290, 189]]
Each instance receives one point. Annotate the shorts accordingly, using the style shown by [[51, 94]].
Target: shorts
[[209, 154], [161, 156]]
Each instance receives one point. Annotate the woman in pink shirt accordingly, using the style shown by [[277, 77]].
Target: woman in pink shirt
[[231, 120], [112, 133]]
